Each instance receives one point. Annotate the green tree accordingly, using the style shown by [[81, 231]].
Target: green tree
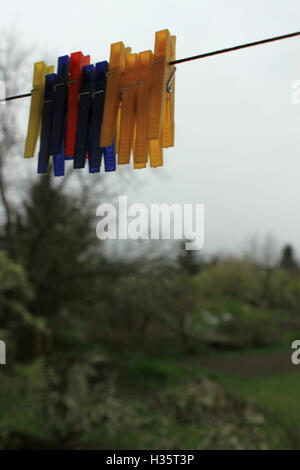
[[18, 325], [188, 260], [288, 260], [58, 247]]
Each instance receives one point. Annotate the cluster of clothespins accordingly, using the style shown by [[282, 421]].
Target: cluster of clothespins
[[115, 109]]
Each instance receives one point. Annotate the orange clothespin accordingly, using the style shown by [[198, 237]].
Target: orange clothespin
[[128, 107], [36, 106], [141, 143], [160, 77], [168, 126], [156, 153], [127, 51], [118, 128], [136, 165], [112, 95]]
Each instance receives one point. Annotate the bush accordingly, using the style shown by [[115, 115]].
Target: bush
[[232, 278]]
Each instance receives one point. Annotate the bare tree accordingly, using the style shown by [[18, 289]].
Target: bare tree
[[12, 73]]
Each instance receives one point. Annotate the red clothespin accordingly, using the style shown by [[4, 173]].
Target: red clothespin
[[78, 61]]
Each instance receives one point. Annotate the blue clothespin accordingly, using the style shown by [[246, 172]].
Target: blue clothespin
[[95, 152], [84, 115], [46, 131], [59, 115], [110, 157]]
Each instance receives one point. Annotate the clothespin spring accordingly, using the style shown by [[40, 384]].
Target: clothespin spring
[[169, 87]]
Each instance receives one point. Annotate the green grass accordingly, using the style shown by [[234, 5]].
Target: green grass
[[278, 392], [146, 421]]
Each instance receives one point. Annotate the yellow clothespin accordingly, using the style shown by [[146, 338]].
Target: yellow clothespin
[[160, 77], [168, 126], [128, 100], [36, 105], [112, 93], [141, 144]]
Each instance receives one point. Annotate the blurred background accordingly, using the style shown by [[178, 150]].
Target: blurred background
[[124, 345]]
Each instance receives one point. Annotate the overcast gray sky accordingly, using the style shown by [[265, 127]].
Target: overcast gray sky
[[237, 133]]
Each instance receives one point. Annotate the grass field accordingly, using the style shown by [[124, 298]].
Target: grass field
[[240, 400], [264, 378]]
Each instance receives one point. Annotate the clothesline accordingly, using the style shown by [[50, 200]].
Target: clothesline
[[199, 56], [235, 48]]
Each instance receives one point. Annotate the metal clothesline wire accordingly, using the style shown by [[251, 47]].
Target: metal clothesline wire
[[199, 56]]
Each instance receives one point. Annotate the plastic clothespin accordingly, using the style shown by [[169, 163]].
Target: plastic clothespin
[[45, 148], [109, 153], [78, 61], [59, 115], [128, 100], [118, 127], [141, 144], [84, 115], [35, 114], [155, 152], [136, 165], [112, 95], [128, 50], [168, 126], [160, 76], [94, 151]]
